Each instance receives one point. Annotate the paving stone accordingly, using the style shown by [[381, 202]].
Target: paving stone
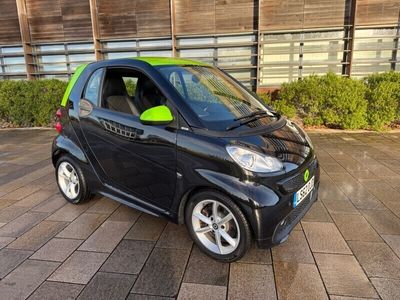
[[335, 297], [37, 236], [57, 291], [21, 282], [162, 273], [355, 228], [147, 228], [82, 227], [57, 249], [204, 270], [175, 236], [5, 203], [22, 224], [108, 286], [384, 222], [12, 212], [257, 255], [387, 288], [342, 275], [377, 259], [325, 237], [104, 206], [106, 237], [317, 213], [393, 241], [129, 257], [251, 281], [4, 241], [295, 249], [9, 259], [51, 205], [340, 206], [201, 292], [79, 267], [125, 214], [298, 281], [146, 297], [22, 192], [69, 212], [34, 199]]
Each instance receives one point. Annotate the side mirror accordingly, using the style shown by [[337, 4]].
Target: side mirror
[[157, 115]]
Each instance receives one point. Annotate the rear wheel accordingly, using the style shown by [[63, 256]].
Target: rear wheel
[[71, 181], [218, 226]]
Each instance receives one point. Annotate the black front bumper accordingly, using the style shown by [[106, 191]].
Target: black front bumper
[[273, 224], [285, 226]]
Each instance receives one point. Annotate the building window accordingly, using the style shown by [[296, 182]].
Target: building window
[[61, 60], [12, 63], [374, 51], [135, 48], [286, 57], [236, 54]]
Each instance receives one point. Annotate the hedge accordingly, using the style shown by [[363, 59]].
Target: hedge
[[338, 102], [30, 103], [329, 100]]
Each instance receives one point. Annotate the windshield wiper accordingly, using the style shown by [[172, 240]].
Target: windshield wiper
[[230, 96], [248, 119], [253, 114]]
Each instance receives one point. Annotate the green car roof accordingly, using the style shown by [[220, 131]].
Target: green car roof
[[165, 61], [154, 61]]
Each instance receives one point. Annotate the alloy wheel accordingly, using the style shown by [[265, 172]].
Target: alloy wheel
[[216, 226], [68, 180]]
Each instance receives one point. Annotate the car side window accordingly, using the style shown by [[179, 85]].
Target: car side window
[[92, 90], [129, 91]]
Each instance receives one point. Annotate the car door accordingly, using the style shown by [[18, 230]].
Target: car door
[[128, 155]]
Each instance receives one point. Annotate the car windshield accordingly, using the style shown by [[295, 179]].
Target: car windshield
[[218, 101]]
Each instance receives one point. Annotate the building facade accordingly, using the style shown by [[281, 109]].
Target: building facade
[[263, 43]]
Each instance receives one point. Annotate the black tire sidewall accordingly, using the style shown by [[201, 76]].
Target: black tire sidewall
[[83, 188], [244, 227]]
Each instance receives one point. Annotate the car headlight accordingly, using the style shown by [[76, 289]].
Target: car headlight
[[254, 161]]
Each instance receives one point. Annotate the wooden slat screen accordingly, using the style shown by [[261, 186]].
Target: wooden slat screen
[[377, 12], [299, 14], [59, 20], [9, 25], [126, 18], [326, 13], [214, 16]]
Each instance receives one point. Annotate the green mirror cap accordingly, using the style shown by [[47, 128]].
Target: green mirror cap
[[72, 82], [157, 115]]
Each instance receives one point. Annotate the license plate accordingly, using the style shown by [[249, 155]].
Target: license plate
[[301, 194]]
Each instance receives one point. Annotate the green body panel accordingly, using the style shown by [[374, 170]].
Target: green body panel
[[157, 114], [165, 61], [71, 83]]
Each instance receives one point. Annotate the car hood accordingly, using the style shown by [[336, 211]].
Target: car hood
[[289, 143]]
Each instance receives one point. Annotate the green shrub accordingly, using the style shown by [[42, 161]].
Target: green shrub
[[30, 103], [329, 100], [383, 96], [281, 106]]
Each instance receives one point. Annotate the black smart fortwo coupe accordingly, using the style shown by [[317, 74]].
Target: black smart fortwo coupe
[[184, 140]]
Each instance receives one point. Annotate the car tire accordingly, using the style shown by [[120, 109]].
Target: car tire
[[226, 237], [71, 180]]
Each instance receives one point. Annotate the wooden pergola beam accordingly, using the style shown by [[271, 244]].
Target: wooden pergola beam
[[352, 23], [95, 30], [173, 28], [26, 38]]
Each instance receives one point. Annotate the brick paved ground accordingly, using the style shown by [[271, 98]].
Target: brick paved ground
[[347, 246]]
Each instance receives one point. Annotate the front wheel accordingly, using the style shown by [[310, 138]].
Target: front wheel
[[218, 226]]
